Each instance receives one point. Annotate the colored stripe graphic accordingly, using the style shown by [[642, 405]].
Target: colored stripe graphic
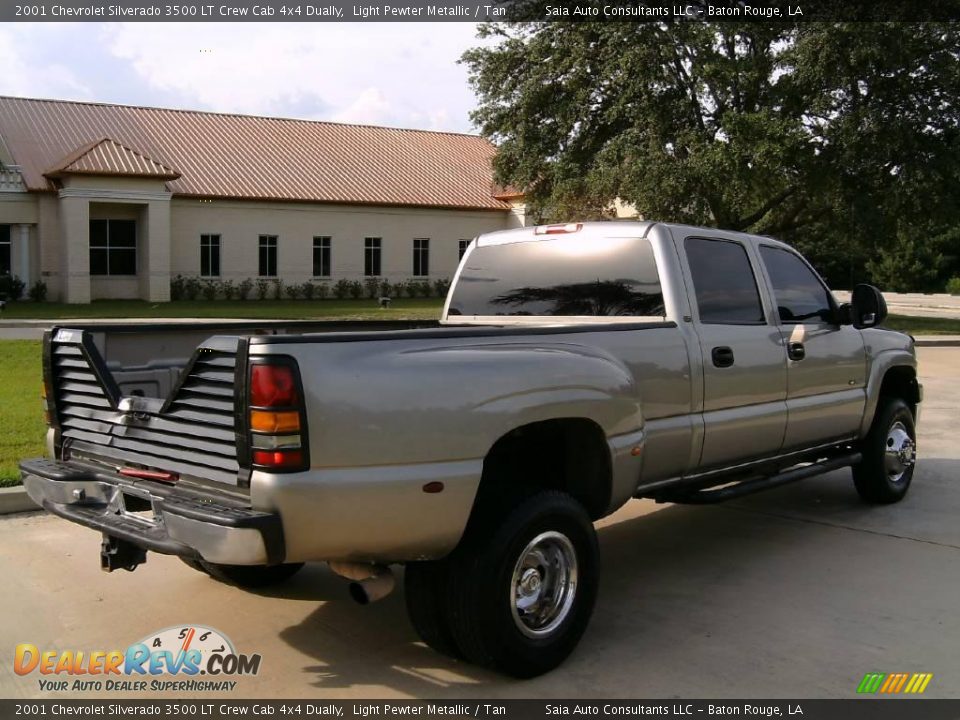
[[894, 683]]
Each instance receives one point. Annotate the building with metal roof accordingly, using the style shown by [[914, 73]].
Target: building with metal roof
[[113, 201]]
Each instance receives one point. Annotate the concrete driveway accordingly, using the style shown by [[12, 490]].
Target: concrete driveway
[[794, 593]]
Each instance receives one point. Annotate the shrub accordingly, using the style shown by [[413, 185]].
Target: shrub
[[191, 288], [278, 289], [229, 289], [953, 286], [322, 290], [371, 287], [11, 287], [38, 291], [441, 287], [263, 288], [356, 289], [342, 289], [386, 288], [244, 289], [176, 288], [293, 291], [308, 290], [210, 289]]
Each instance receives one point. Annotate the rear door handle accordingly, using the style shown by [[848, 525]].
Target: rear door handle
[[722, 356], [796, 351]]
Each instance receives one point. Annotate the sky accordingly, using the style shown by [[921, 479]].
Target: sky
[[395, 74]]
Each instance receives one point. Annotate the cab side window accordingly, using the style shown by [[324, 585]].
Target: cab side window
[[723, 282], [800, 296]]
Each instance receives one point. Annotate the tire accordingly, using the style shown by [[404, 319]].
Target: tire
[[251, 576], [507, 607], [426, 591], [889, 454]]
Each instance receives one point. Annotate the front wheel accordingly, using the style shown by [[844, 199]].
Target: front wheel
[[889, 454], [522, 585]]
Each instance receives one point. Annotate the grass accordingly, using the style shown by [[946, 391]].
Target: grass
[[21, 415], [407, 309], [21, 418], [923, 325]]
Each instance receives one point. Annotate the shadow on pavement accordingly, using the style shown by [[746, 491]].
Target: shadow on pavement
[[676, 581]]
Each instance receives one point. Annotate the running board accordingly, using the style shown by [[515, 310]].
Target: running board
[[747, 487]]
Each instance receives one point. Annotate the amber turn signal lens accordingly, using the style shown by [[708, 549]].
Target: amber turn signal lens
[[274, 422]]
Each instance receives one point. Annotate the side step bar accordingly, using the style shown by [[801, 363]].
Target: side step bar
[[747, 487]]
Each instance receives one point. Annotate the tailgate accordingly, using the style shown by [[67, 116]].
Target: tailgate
[[197, 431]]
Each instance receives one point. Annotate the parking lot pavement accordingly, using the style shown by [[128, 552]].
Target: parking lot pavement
[[797, 592]]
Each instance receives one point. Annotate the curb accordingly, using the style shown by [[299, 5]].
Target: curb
[[935, 341], [15, 500]]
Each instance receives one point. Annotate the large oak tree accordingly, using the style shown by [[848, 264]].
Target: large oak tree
[[841, 137]]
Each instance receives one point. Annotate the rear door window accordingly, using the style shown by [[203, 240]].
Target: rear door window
[[801, 297], [723, 282]]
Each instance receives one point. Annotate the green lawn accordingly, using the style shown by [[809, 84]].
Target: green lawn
[[406, 309], [21, 413], [923, 325]]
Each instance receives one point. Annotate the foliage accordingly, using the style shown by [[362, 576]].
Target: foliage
[[834, 136], [356, 289], [263, 288], [228, 289], [371, 286], [176, 288], [11, 287], [209, 289], [244, 289], [386, 289], [441, 287], [322, 290], [341, 290], [953, 286], [191, 288], [38, 291], [308, 290]]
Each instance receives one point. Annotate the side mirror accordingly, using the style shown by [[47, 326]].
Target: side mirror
[[843, 314], [869, 307]]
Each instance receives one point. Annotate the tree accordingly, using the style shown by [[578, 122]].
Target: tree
[[838, 137]]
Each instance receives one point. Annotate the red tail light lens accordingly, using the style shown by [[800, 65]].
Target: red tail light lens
[[278, 458], [273, 386]]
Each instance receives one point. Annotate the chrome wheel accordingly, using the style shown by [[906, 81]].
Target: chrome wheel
[[899, 453], [544, 584]]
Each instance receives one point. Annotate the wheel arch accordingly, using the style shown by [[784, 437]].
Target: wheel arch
[[891, 379], [568, 454]]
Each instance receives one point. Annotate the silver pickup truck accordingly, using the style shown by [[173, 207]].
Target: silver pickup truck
[[574, 367]]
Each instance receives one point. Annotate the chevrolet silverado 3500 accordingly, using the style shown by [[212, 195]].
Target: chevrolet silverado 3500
[[574, 367]]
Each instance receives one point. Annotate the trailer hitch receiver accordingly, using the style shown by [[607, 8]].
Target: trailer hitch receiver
[[117, 554]]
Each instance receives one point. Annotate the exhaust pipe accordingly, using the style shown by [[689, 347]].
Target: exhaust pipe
[[370, 582]]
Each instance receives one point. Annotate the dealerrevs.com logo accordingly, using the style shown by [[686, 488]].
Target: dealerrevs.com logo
[[198, 657]]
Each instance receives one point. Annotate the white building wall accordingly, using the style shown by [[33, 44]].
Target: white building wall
[[240, 223]]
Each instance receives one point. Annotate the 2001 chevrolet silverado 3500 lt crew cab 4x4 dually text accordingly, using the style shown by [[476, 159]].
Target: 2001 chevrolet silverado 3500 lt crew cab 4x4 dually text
[[574, 367]]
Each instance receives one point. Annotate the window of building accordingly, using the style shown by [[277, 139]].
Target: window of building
[[421, 256], [268, 256], [464, 244], [801, 297], [723, 282], [372, 249], [210, 255], [113, 247], [5, 259], [321, 256]]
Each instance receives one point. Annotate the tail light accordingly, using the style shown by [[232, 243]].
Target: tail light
[[277, 420]]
